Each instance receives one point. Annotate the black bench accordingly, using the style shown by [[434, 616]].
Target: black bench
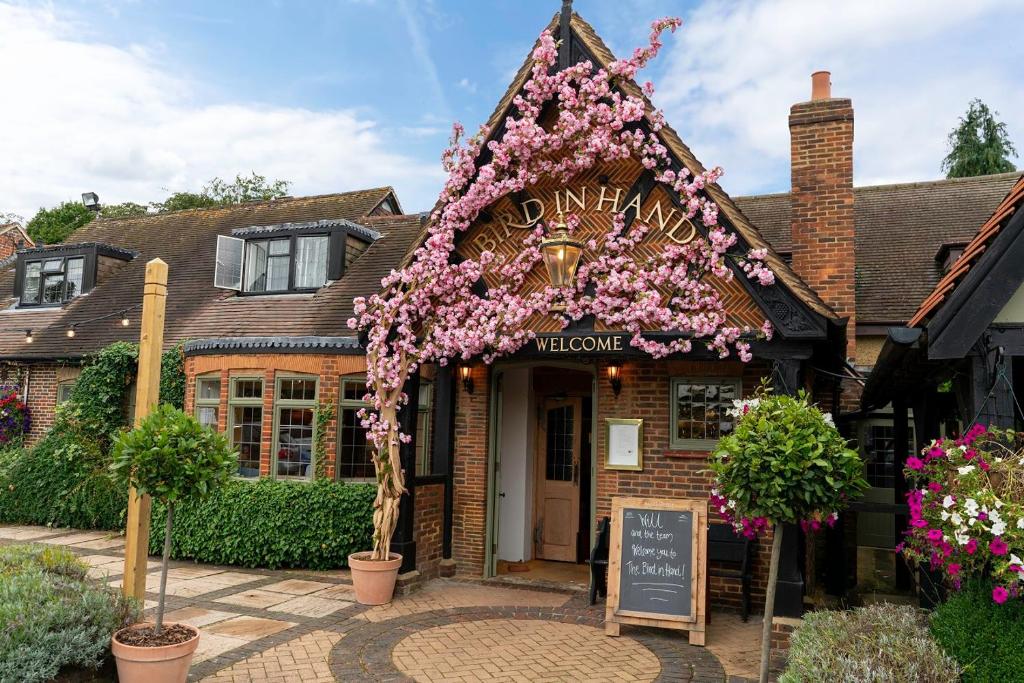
[[725, 547], [599, 562]]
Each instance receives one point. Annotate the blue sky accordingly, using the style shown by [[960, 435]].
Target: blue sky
[[133, 99]]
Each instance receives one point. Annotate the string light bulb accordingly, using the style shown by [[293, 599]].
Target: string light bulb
[[28, 336], [125, 322], [71, 332]]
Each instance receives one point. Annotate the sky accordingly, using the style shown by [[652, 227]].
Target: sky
[[135, 99]]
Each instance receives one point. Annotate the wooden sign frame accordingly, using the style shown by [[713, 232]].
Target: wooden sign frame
[[696, 622]]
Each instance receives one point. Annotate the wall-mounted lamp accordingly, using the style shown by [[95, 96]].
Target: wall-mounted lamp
[[28, 336], [561, 255], [71, 332], [466, 375], [615, 376]]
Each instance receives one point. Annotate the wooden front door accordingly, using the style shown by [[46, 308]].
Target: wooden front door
[[558, 479]]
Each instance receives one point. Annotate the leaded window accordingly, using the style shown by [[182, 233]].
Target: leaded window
[[52, 281], [295, 409], [355, 453], [245, 413], [208, 401], [700, 411]]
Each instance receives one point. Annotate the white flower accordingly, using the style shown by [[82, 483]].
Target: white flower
[[971, 507], [944, 515], [966, 469], [1016, 560], [828, 419], [957, 519], [962, 539], [998, 528], [732, 504], [1020, 523], [948, 502]]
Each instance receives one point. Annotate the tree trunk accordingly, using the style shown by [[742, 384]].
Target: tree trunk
[[390, 487], [163, 570], [769, 604]]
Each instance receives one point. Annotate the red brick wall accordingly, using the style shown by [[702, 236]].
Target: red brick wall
[[666, 473], [42, 398], [821, 141], [429, 527]]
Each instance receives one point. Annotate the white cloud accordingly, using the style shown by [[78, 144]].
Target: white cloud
[[85, 116], [910, 67], [467, 85]]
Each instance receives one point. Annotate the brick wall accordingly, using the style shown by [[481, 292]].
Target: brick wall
[[821, 146], [429, 527], [42, 381], [666, 473]]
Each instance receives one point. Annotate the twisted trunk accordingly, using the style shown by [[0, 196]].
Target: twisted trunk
[[390, 476]]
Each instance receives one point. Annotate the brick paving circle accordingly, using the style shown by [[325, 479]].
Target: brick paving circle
[[507, 649], [392, 650]]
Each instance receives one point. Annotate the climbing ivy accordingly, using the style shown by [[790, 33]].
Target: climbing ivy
[[324, 413], [172, 377]]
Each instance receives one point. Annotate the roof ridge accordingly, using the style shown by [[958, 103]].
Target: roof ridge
[[941, 181], [231, 207]]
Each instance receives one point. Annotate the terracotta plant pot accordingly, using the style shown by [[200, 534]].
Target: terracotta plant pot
[[164, 664], [374, 580]]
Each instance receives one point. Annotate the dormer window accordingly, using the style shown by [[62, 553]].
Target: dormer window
[[51, 276], [289, 257]]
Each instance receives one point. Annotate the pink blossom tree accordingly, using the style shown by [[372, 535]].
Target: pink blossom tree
[[428, 311]]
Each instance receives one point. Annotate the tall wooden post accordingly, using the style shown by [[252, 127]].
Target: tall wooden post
[[147, 394]]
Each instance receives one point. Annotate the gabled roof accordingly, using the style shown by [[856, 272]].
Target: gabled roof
[[186, 240], [587, 44], [900, 229], [972, 254]]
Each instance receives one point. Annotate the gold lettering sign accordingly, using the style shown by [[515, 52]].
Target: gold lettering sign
[[592, 343]]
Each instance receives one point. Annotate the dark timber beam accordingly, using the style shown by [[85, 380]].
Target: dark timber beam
[[444, 447], [787, 378], [404, 540]]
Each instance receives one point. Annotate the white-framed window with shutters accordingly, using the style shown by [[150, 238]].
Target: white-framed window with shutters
[[276, 261]]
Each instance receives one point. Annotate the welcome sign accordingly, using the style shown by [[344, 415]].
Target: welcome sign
[[657, 564]]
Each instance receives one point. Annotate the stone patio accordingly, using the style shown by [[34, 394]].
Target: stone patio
[[287, 625]]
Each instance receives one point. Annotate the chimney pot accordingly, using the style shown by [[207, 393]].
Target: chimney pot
[[821, 85]]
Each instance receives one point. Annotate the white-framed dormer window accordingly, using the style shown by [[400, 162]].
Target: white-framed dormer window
[[288, 258]]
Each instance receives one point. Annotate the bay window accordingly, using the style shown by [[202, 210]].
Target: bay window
[[355, 453], [208, 401]]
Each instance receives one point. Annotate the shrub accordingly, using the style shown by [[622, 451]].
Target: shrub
[[51, 615], [983, 637], [62, 481], [884, 642], [267, 523]]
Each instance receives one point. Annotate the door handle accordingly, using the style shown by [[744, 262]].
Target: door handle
[[501, 495]]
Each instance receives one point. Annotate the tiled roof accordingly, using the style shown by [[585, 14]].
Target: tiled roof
[[900, 229], [299, 344], [186, 240], [972, 252], [370, 235], [596, 46]]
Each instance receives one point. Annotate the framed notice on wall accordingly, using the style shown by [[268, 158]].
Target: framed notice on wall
[[657, 564], [625, 444]]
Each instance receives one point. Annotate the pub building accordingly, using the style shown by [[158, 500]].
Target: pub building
[[510, 466]]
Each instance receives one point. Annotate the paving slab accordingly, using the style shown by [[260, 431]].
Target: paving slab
[[249, 628], [197, 616], [310, 606], [297, 586], [256, 598]]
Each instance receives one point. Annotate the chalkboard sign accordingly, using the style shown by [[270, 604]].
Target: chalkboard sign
[[657, 564]]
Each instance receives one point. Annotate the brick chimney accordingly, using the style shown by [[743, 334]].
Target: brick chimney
[[821, 148]]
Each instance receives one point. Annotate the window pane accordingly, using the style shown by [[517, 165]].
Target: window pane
[[702, 410], [355, 455], [75, 268], [277, 273], [246, 433], [64, 392], [255, 267], [207, 416], [310, 262], [353, 390], [559, 451], [30, 291], [298, 390], [53, 289], [208, 390], [248, 388], [279, 247], [53, 266], [295, 442], [424, 451]]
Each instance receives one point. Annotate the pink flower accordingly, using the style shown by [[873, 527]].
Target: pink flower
[[985, 467], [971, 546], [1000, 594], [934, 486], [914, 463], [953, 569], [998, 546], [935, 535]]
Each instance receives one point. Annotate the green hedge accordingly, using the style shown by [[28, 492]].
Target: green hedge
[[62, 482], [268, 523], [985, 638]]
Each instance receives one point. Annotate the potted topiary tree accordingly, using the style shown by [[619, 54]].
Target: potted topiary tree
[[171, 457], [785, 462]]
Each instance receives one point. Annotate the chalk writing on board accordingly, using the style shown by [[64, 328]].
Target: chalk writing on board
[[656, 556]]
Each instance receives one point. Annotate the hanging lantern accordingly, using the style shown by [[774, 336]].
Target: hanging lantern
[[561, 255]]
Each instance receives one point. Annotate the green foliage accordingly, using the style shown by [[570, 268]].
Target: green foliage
[[324, 414], [985, 638], [786, 462], [124, 210], [62, 481], [172, 377], [877, 643], [171, 457], [979, 145], [268, 523], [220, 192], [100, 397], [56, 225], [52, 616]]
